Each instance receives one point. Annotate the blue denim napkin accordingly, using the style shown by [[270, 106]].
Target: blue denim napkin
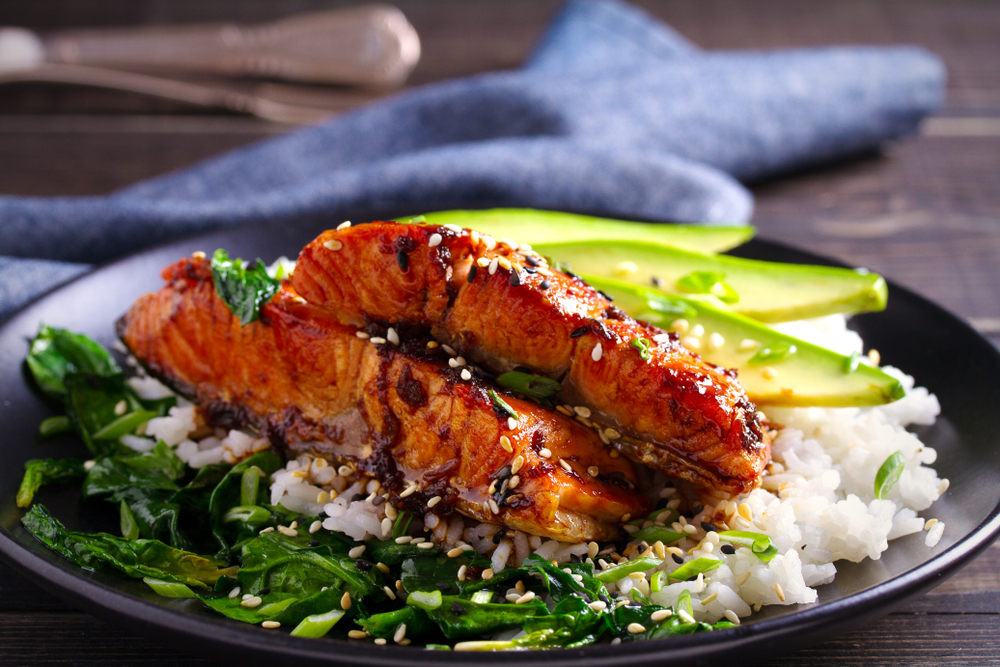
[[614, 113]]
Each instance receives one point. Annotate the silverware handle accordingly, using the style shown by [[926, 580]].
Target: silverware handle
[[367, 45]]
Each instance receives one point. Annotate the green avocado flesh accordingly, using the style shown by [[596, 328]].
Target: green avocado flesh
[[810, 376], [526, 225], [765, 291]]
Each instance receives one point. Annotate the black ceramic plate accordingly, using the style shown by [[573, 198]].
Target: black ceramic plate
[[942, 352]]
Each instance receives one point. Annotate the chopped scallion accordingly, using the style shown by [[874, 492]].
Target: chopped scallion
[[533, 386], [656, 533], [759, 543], [624, 569], [317, 625], [424, 600], [643, 346], [502, 404], [249, 484], [169, 589], [888, 474], [54, 426], [124, 425], [130, 529], [246, 514], [693, 568]]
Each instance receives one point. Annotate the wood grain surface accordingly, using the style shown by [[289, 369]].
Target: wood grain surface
[[924, 212]]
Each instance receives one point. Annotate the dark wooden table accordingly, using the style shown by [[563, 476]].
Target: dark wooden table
[[925, 213]]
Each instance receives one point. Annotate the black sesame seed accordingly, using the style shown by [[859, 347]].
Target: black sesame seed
[[727, 549], [579, 332], [614, 596], [573, 558], [624, 533], [378, 500], [498, 536], [545, 284], [803, 547], [314, 543], [604, 598], [697, 509], [530, 270], [661, 503], [688, 515], [515, 277], [678, 559], [457, 608], [404, 261], [530, 259], [472, 272], [358, 496], [363, 565], [443, 586], [264, 591], [707, 527], [606, 295], [656, 281]]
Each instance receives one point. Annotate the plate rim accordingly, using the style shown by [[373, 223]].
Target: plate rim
[[220, 637]]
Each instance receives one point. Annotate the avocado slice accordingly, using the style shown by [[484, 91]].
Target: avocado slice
[[764, 291], [527, 225], [809, 376]]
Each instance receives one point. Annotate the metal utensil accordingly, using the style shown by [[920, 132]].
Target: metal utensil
[[371, 45]]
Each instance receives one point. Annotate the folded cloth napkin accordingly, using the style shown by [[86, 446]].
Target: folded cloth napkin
[[614, 113]]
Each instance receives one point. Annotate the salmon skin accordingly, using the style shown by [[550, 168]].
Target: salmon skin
[[397, 412], [502, 306]]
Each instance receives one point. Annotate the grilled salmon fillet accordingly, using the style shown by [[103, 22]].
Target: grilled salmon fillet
[[502, 306], [397, 412]]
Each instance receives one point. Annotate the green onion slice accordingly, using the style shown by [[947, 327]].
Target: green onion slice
[[851, 362], [657, 534], [759, 543], [482, 597], [130, 529], [643, 346], [169, 589], [684, 603], [502, 404], [317, 625], [274, 608], [54, 426], [425, 600], [773, 353], [526, 384], [692, 569], [624, 569], [658, 581], [124, 425], [708, 282], [888, 474]]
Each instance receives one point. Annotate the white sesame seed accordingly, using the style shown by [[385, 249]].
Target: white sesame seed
[[731, 616], [616, 641], [453, 228], [388, 591], [711, 598], [197, 254], [434, 240], [493, 265], [483, 262], [456, 552], [505, 443], [930, 524], [433, 501], [494, 507], [598, 605], [874, 357], [748, 344], [779, 592], [431, 344], [489, 242], [504, 263], [510, 244], [345, 471], [235, 593], [390, 512], [511, 423], [270, 625], [597, 352], [487, 574], [461, 572], [715, 341], [545, 272], [636, 628], [404, 539], [582, 410], [514, 481], [545, 452], [691, 343], [251, 602], [626, 517], [392, 336], [315, 526], [248, 596], [408, 491], [449, 350], [378, 340], [333, 244], [121, 407], [87, 465], [322, 498], [453, 363], [465, 374], [745, 512], [290, 532], [356, 551], [344, 225], [516, 464], [660, 615], [527, 597], [769, 373], [686, 617], [345, 601], [690, 529], [269, 529], [380, 641], [565, 465], [357, 634], [386, 526]]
